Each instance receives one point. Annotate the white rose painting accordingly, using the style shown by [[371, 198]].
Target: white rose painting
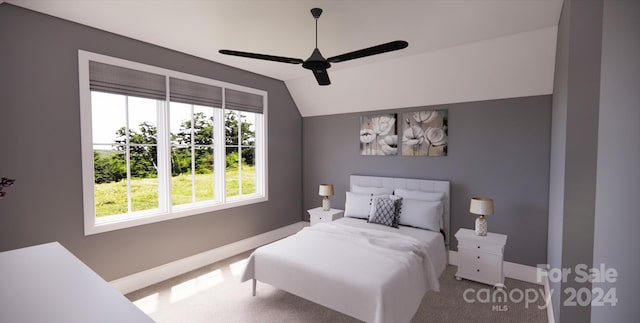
[[424, 133], [378, 135]]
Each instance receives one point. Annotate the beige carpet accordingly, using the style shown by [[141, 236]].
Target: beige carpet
[[214, 294]]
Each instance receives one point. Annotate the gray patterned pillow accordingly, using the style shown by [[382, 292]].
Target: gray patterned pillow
[[385, 211]]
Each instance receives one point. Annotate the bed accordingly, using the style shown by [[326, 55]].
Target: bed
[[372, 272]]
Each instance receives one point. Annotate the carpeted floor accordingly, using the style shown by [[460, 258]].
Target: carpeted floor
[[214, 294]]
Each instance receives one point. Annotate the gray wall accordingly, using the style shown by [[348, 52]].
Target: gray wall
[[574, 146], [40, 146], [498, 149], [617, 219], [595, 154]]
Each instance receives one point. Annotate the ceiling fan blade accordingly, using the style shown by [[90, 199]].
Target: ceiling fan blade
[[379, 49], [322, 77], [262, 56]]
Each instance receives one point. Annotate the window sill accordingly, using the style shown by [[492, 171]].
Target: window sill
[[118, 222]]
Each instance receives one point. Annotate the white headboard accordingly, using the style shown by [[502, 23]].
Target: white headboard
[[424, 185]]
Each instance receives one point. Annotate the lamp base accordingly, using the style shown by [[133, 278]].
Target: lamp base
[[326, 206], [481, 226]]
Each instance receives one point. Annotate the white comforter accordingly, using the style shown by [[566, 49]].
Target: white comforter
[[372, 275]]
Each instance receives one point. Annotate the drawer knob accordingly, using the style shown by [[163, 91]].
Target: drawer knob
[[478, 257], [478, 270], [478, 247]]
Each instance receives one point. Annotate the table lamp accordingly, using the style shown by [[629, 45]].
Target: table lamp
[[481, 206], [326, 190]]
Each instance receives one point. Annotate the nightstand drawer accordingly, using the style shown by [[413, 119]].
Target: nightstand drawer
[[481, 246], [323, 218], [317, 215], [480, 266]]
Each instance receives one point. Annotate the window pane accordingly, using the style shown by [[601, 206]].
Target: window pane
[[204, 173], [231, 127], [231, 173], [143, 161], [180, 123], [249, 156], [110, 188], [203, 125], [108, 116], [144, 194], [204, 187], [180, 160], [143, 120], [204, 159], [144, 177], [109, 163], [248, 128], [181, 181], [248, 172]]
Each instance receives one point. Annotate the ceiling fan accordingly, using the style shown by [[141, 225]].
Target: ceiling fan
[[316, 62]]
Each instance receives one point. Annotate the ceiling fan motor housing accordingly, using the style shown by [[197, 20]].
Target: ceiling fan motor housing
[[316, 61]]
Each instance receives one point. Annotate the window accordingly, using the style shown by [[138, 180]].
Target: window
[[159, 144]]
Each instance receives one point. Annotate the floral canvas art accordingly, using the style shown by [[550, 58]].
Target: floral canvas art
[[424, 133], [378, 135]]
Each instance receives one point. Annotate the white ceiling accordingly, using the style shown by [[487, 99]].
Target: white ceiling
[[459, 50]]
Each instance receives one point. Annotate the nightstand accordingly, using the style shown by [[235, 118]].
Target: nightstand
[[317, 215], [480, 257]]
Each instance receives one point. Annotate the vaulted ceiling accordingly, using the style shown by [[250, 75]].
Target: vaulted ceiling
[[459, 50]]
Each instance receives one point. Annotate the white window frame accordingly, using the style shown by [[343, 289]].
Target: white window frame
[[166, 210]]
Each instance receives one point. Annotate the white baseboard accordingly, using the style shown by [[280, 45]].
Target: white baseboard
[[528, 274], [155, 275]]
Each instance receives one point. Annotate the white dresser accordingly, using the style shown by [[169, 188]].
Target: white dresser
[[480, 257], [47, 283], [317, 215]]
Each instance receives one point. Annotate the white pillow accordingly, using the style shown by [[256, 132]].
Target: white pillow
[[358, 205], [420, 195], [421, 214], [371, 190]]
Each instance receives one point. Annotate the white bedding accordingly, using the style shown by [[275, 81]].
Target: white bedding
[[368, 271], [434, 240]]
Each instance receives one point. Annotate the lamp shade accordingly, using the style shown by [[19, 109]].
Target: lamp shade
[[481, 205], [325, 190]]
